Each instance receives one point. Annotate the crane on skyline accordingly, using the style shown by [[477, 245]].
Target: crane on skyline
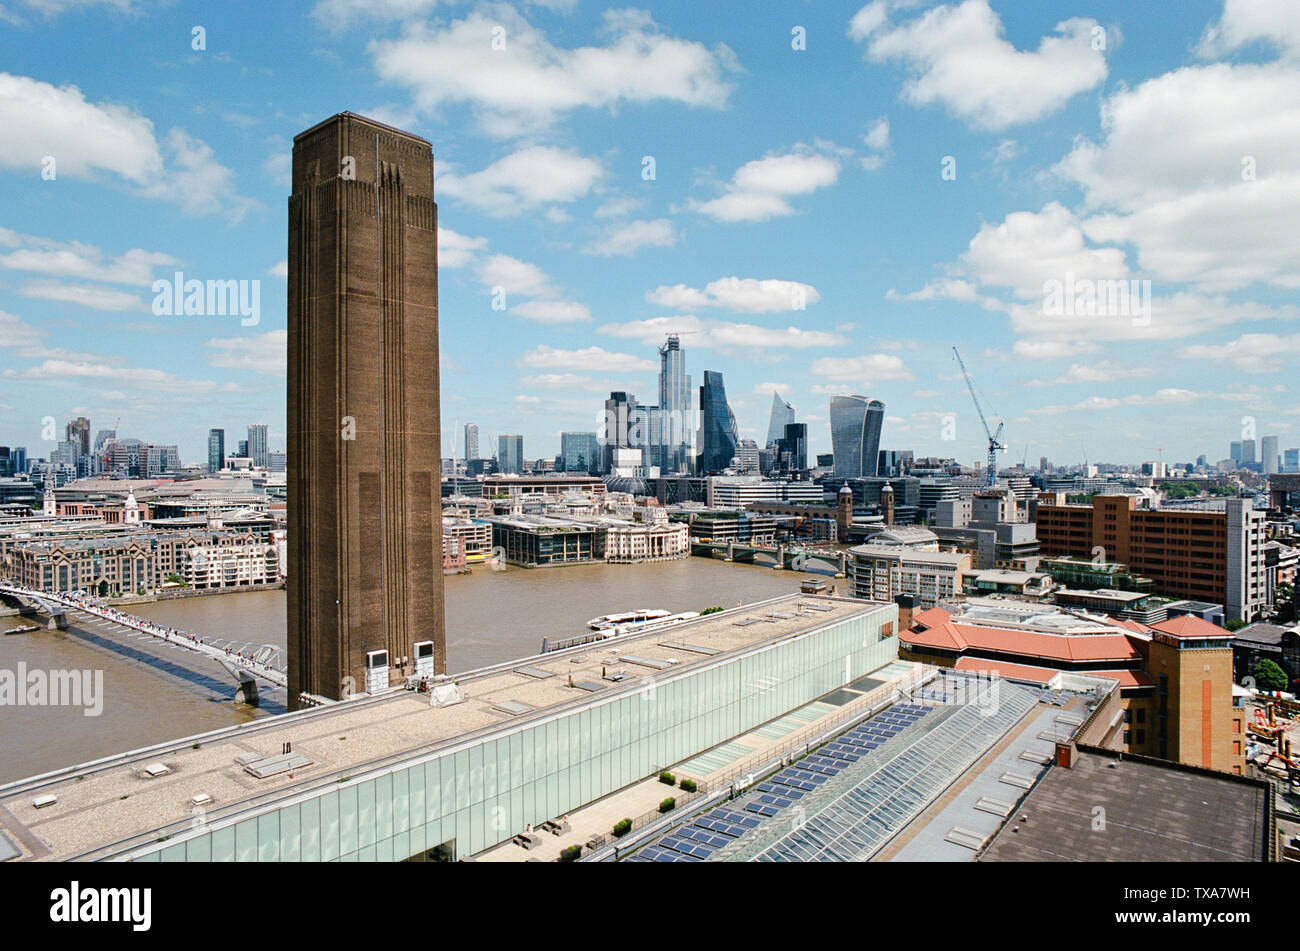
[[994, 443]]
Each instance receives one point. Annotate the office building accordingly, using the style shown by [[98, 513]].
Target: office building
[[675, 429], [1247, 575], [782, 416], [855, 435], [627, 426], [216, 450], [1248, 452], [580, 452], [257, 444], [78, 433], [471, 441], [1291, 461], [1184, 552], [365, 585], [1269, 458], [894, 564], [792, 448], [718, 438], [510, 454]]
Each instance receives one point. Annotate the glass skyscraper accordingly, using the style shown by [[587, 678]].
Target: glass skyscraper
[[579, 452], [471, 441], [257, 448], [216, 449], [855, 435], [675, 427], [510, 454], [782, 416], [718, 440]]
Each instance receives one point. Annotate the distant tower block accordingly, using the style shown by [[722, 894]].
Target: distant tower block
[[364, 466]]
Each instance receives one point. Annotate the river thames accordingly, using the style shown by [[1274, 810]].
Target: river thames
[[154, 693]]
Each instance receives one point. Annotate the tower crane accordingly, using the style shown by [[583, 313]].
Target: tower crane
[[994, 444]]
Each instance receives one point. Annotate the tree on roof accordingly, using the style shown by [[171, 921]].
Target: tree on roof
[[1269, 676]]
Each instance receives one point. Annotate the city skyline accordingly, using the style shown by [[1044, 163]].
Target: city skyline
[[744, 232]]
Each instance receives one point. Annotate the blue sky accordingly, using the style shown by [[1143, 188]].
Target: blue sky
[[799, 228]]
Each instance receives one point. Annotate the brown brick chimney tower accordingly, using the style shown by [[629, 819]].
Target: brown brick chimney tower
[[364, 461]]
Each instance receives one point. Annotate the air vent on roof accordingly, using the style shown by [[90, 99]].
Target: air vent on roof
[[513, 707], [40, 802], [154, 770], [202, 799], [535, 672]]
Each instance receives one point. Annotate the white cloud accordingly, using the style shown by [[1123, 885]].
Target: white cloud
[[590, 358], [1030, 248], [261, 353], [523, 180], [1250, 353], [957, 57], [1215, 197], [722, 334], [873, 366], [85, 295], [530, 82], [279, 269], [565, 381], [89, 141], [553, 311], [628, 238], [1249, 21], [515, 276], [760, 189], [455, 249], [73, 259], [341, 14], [745, 295]]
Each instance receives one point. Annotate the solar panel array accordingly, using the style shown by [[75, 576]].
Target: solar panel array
[[718, 828], [859, 821]]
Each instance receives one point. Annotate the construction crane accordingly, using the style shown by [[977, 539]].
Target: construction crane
[[994, 444]]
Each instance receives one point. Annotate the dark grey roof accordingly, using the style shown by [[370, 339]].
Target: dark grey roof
[[1154, 812], [1261, 633]]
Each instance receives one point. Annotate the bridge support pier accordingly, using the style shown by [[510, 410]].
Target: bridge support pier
[[780, 558], [246, 690], [731, 552], [57, 622], [844, 566]]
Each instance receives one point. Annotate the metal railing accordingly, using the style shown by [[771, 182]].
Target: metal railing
[[682, 797]]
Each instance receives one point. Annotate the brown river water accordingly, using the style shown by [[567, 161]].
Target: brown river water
[[153, 692]]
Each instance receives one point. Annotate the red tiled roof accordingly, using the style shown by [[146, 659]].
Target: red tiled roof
[[1043, 675], [1060, 647], [1037, 675], [1187, 625]]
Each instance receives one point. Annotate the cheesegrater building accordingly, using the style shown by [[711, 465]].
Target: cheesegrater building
[[365, 579]]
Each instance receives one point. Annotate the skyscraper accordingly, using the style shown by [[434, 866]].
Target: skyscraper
[[78, 433], [855, 435], [471, 441], [717, 425], [675, 427], [365, 588], [510, 454], [1234, 452], [1248, 452], [257, 447], [792, 447], [1268, 454], [216, 449], [579, 452], [782, 416]]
